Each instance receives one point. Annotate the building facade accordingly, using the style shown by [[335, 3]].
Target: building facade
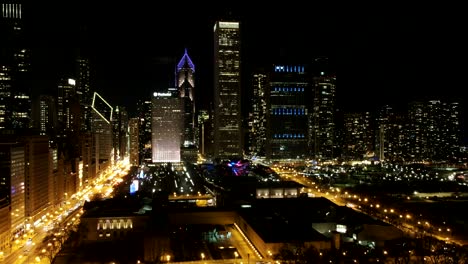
[[322, 118], [258, 122], [133, 127], [185, 82], [167, 127], [15, 69], [228, 142], [287, 112], [12, 192], [102, 128]]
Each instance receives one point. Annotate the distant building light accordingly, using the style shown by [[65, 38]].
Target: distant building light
[[71, 81]]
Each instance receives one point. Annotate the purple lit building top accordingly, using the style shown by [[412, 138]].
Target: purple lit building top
[[185, 61]]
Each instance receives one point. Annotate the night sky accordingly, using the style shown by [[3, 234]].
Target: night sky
[[383, 54]]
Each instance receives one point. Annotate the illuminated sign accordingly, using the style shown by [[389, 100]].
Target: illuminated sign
[[162, 94], [341, 229], [102, 107], [71, 81], [229, 24]]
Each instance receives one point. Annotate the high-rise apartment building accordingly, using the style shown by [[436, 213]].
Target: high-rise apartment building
[[120, 128], [167, 126], [358, 136], [133, 127], [392, 135], [228, 141], [144, 108], [258, 122], [322, 120], [435, 131], [83, 91]]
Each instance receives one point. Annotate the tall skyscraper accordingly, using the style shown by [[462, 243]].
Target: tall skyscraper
[[185, 83], [83, 91], [358, 136], [166, 123], [5, 96], [435, 130], [66, 95], [44, 114], [392, 135], [258, 120], [322, 121], [228, 141], [144, 140], [288, 112], [15, 69], [120, 129], [101, 126], [133, 127]]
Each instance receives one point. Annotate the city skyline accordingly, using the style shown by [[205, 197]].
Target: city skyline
[[378, 56], [137, 48], [118, 121]]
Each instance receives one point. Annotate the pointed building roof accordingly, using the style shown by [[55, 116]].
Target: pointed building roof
[[185, 62]]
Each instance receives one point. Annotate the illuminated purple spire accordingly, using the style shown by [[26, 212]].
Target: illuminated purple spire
[[186, 61]]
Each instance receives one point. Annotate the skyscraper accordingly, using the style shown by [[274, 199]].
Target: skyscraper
[[102, 127], [83, 91], [185, 83], [144, 130], [66, 94], [228, 140], [288, 112], [322, 121], [166, 127], [259, 115], [15, 74], [44, 114], [133, 127], [120, 129], [357, 135], [434, 131]]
